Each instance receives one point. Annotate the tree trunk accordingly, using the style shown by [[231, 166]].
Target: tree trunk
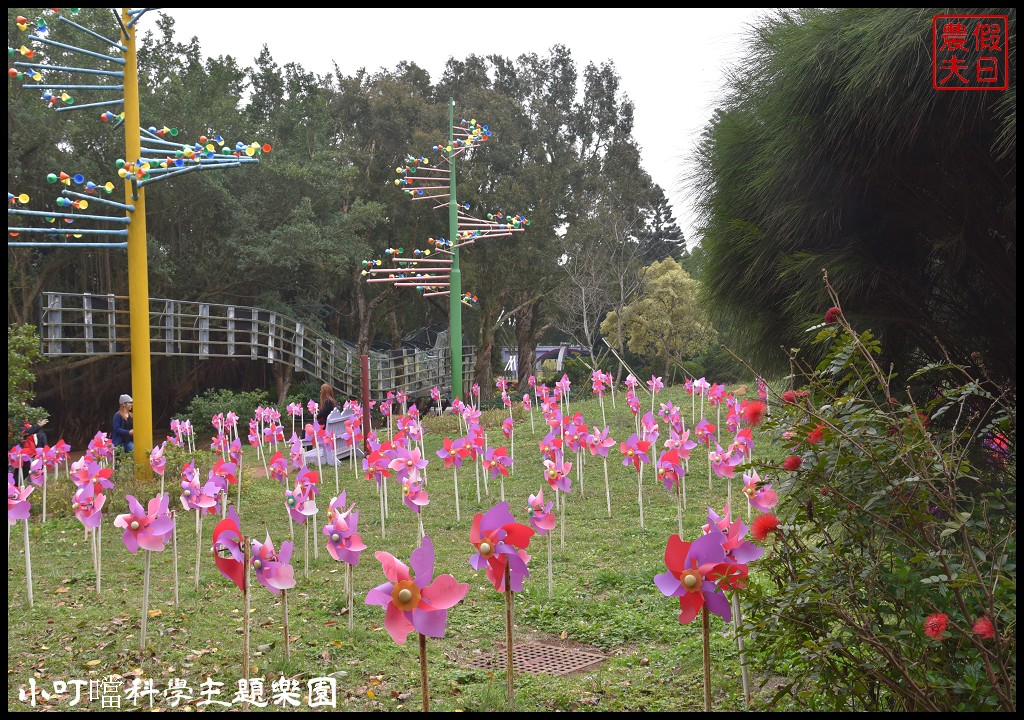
[[282, 380], [526, 343]]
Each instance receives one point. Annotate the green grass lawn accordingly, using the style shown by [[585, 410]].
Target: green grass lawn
[[604, 597]]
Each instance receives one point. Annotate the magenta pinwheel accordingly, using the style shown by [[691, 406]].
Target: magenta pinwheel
[[146, 528], [272, 569], [600, 443], [705, 432], [342, 530], [744, 442], [279, 467], [670, 469], [452, 452], [540, 517], [499, 542], [417, 602], [680, 442], [87, 505], [631, 381], [716, 394], [692, 569], [700, 386], [406, 463], [761, 496], [413, 494], [18, 505], [655, 384], [299, 500], [195, 496]]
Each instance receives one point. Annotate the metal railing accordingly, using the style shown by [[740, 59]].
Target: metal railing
[[90, 324]]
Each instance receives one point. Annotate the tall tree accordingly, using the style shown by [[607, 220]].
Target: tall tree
[[832, 150]]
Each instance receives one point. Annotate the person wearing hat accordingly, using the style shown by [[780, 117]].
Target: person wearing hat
[[124, 434]]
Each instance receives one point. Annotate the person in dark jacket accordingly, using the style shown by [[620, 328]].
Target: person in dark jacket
[[327, 404], [123, 435]]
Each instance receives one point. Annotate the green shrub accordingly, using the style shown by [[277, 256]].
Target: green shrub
[[903, 510], [201, 409]]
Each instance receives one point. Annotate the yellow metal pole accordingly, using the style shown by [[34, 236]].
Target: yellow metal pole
[[138, 271]]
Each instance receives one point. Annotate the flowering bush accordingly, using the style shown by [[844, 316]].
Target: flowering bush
[[895, 590]]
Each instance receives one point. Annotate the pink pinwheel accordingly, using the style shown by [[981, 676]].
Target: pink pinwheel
[[634, 452], [343, 540], [597, 382], [724, 463], [435, 394], [527, 403], [299, 500], [507, 427], [147, 528], [501, 384], [419, 604], [500, 542], [700, 386], [157, 461], [294, 409], [649, 427], [671, 415], [743, 443], [600, 443], [295, 452], [223, 472], [313, 407], [61, 450], [761, 496], [532, 381], [227, 536], [453, 452], [279, 467], [655, 384], [87, 504], [688, 386], [86, 471], [705, 432], [556, 472], [18, 506], [195, 496], [631, 381], [406, 463], [540, 516], [101, 447], [670, 469], [496, 460], [413, 494], [716, 394], [272, 569], [218, 422], [633, 402], [737, 550], [575, 435], [375, 464], [680, 442], [691, 569], [563, 385]]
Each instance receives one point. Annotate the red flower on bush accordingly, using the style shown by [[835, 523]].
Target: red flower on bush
[[791, 396], [753, 412], [764, 525], [793, 462], [984, 628], [814, 436], [935, 624], [832, 315]]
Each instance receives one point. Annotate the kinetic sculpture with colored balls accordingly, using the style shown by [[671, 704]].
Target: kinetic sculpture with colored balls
[[151, 154]]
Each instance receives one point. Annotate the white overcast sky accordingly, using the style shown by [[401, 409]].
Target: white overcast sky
[[671, 62]]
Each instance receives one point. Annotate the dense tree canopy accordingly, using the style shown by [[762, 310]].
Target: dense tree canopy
[[833, 151]]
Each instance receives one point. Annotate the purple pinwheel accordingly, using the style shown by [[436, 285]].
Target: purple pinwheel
[[496, 460], [501, 384], [575, 436], [87, 504], [632, 401], [716, 394], [299, 501], [649, 427], [700, 386], [415, 604], [313, 407], [499, 541], [737, 550], [18, 506], [761, 496], [631, 381], [507, 427], [691, 569], [343, 540], [272, 568], [655, 384], [671, 415], [688, 386], [527, 403], [744, 442], [147, 528], [540, 516]]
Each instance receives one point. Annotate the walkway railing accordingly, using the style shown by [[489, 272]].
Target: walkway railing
[[90, 324]]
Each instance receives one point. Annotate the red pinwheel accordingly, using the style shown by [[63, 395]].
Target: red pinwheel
[[497, 461], [693, 568], [227, 537], [272, 569], [634, 452], [417, 602], [705, 432], [279, 467], [500, 544]]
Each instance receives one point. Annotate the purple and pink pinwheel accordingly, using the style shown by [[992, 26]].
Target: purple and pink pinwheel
[[272, 569], [146, 528], [724, 463], [500, 542], [157, 461], [87, 505], [634, 452], [18, 505], [556, 472], [737, 550], [497, 461], [415, 601], [693, 571], [342, 530], [761, 496], [541, 519]]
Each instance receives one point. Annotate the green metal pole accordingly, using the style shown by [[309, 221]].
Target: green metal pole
[[455, 288]]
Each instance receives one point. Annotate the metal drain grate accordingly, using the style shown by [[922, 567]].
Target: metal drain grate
[[539, 659]]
